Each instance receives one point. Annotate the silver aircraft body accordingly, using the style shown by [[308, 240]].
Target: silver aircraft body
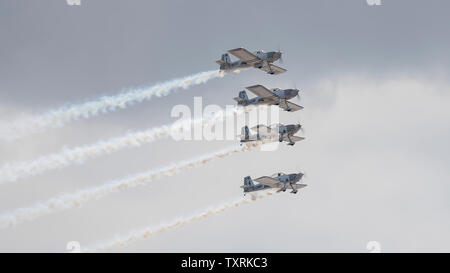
[[280, 131], [259, 59], [266, 96], [280, 181]]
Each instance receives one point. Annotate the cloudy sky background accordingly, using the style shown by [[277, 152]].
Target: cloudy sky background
[[375, 88]]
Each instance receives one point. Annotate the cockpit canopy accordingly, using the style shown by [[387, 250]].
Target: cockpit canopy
[[277, 174]]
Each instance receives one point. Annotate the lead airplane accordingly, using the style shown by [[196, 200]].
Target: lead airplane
[[280, 181], [265, 96], [259, 59]]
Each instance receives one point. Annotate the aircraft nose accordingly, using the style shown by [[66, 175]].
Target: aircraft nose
[[278, 54], [294, 92]]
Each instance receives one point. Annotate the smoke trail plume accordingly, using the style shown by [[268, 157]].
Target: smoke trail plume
[[76, 199], [150, 231], [64, 115], [10, 172]]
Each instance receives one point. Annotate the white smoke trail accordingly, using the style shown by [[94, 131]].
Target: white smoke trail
[[64, 115], [76, 199], [151, 231], [12, 171]]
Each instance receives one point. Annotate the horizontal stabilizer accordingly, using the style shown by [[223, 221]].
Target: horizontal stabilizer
[[238, 99]]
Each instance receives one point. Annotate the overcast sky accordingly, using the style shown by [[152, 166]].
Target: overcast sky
[[375, 88]]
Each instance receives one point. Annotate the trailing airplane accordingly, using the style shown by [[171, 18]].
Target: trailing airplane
[[280, 181]]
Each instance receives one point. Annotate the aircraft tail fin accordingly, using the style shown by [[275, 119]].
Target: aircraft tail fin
[[224, 61], [242, 99], [248, 182], [226, 58]]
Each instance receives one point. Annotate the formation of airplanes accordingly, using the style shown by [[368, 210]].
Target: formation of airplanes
[[264, 96]]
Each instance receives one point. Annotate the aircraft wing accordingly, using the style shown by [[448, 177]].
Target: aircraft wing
[[289, 105], [298, 186], [272, 69], [269, 181], [293, 138], [244, 55], [262, 129], [262, 92]]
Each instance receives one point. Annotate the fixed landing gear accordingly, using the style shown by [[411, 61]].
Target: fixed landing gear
[[294, 191]]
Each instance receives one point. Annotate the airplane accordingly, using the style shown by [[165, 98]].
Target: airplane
[[260, 59], [284, 133], [280, 181], [266, 96]]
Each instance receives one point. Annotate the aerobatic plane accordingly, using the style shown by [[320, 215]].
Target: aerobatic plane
[[266, 96], [280, 181], [280, 131], [259, 59]]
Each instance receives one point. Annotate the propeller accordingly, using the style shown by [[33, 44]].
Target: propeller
[[295, 87], [281, 55], [301, 128], [303, 176]]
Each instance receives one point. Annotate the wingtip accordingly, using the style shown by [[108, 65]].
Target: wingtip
[[255, 85], [234, 49]]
